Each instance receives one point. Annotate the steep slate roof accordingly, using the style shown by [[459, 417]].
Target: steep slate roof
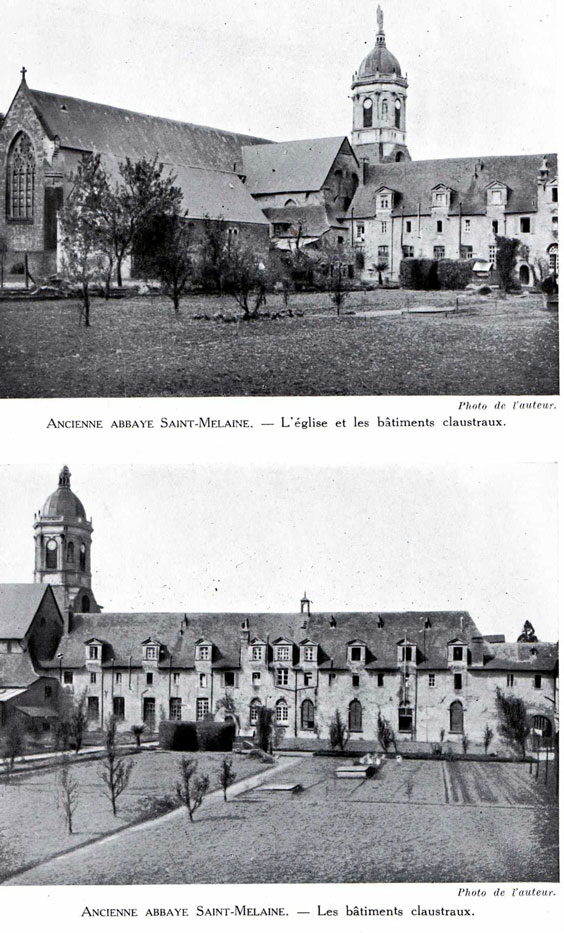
[[92, 127], [16, 670], [124, 634], [18, 604], [315, 219], [524, 656], [297, 165], [468, 178]]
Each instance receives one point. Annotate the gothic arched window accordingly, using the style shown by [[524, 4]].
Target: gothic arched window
[[355, 716], [85, 604], [456, 717], [367, 109], [384, 110], [397, 106], [83, 557], [70, 552], [51, 555], [21, 179]]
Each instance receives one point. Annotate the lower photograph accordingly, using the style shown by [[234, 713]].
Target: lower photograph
[[224, 675]]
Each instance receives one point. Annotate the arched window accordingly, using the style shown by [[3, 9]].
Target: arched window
[[456, 717], [308, 715], [367, 111], [399, 156], [254, 711], [51, 555], [70, 552], [524, 275], [282, 716], [384, 110], [83, 557], [21, 179], [553, 258], [397, 106], [85, 604], [355, 716]]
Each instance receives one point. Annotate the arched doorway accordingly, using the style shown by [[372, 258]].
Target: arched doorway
[[524, 275], [308, 715], [355, 716], [456, 717]]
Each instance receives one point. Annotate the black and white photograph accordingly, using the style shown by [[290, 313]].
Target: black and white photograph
[[263, 199], [285, 676]]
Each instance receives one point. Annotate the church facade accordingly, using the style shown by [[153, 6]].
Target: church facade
[[432, 674], [367, 193]]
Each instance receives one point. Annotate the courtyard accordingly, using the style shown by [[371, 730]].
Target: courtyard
[[415, 821], [384, 344]]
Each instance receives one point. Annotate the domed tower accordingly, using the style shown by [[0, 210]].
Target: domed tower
[[63, 538], [379, 94]]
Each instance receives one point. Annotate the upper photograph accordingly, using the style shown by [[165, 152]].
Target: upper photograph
[[347, 232]]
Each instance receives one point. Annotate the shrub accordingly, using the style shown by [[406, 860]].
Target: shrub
[[338, 733], [454, 273], [419, 274], [507, 251], [196, 736], [484, 290], [18, 268], [150, 807], [549, 285]]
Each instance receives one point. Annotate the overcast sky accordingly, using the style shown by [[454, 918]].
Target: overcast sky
[[232, 539], [482, 75]]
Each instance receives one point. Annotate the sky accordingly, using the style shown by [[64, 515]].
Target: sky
[[383, 538], [483, 76]]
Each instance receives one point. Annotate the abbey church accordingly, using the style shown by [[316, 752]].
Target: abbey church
[[432, 674], [366, 192]]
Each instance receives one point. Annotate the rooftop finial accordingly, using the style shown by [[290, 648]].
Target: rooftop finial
[[23, 73], [380, 36], [64, 476]]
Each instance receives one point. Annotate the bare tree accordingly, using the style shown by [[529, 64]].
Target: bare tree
[[337, 261], [191, 789], [115, 771], [78, 722], [338, 733], [14, 744], [513, 721], [226, 775], [163, 245], [245, 277], [137, 732], [68, 792], [487, 737]]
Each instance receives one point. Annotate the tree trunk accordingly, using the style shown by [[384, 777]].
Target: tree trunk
[[118, 271], [86, 298]]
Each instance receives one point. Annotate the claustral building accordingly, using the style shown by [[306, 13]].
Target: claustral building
[[432, 674], [367, 193]]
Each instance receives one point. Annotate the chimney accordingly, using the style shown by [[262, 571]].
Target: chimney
[[543, 172], [244, 633], [477, 648], [305, 605]]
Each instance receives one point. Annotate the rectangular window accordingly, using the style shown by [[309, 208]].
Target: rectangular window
[[466, 252], [525, 225], [408, 226], [149, 679], [281, 713], [309, 653], [496, 197], [119, 708], [356, 680], [406, 653], [439, 226], [92, 678], [538, 681], [256, 654], [152, 653], [93, 652], [67, 677], [495, 227], [384, 227], [493, 256], [432, 680], [204, 653], [384, 203], [256, 678], [458, 653], [458, 681], [176, 679], [555, 194], [282, 677], [283, 653], [440, 198], [383, 253], [356, 654], [253, 712], [308, 678], [118, 678], [203, 680], [380, 680], [332, 677], [175, 708], [510, 680], [202, 708], [555, 220], [48, 692], [405, 719], [438, 252], [407, 252], [93, 709], [229, 679], [466, 226], [360, 232]]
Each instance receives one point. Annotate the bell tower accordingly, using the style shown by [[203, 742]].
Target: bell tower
[[63, 540], [379, 94]]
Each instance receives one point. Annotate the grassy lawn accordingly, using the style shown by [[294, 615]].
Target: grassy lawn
[[32, 826], [415, 821], [139, 348]]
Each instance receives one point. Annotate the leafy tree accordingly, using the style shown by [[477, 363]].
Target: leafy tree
[[245, 278], [190, 789], [78, 722], [162, 245], [265, 728], [507, 252], [212, 247], [386, 735], [380, 267], [513, 721], [487, 737], [338, 733], [68, 792], [84, 236], [115, 771], [226, 775]]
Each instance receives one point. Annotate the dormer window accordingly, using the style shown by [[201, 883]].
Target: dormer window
[[93, 652], [457, 653], [151, 652], [357, 653], [497, 194], [203, 652], [256, 653], [309, 653], [283, 653], [441, 196], [407, 653]]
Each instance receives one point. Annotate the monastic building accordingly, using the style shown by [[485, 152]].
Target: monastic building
[[431, 673], [367, 193]]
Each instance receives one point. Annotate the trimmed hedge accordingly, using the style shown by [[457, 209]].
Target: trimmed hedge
[[454, 273], [196, 736], [419, 274]]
